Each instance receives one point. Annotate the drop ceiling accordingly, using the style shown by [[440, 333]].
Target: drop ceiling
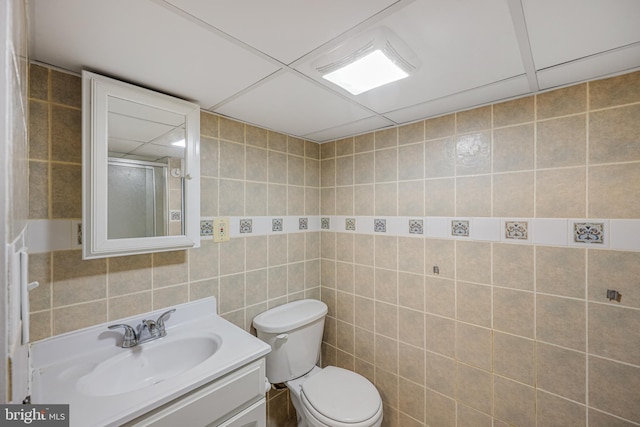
[[256, 61]]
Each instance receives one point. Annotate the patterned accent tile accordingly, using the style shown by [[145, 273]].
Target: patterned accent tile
[[517, 230], [380, 225], [460, 228], [588, 232], [277, 224], [246, 226], [416, 226], [325, 223], [206, 228], [175, 215], [350, 224], [303, 223]]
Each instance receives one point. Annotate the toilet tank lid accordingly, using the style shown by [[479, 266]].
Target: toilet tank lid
[[289, 316]]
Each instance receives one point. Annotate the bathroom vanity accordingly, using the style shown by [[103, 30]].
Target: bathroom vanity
[[205, 371]]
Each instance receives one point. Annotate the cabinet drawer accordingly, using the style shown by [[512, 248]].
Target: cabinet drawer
[[211, 403]]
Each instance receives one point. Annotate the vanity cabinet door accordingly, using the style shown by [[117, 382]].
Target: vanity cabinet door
[[238, 394]]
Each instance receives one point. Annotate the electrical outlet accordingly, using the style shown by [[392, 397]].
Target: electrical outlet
[[221, 230]]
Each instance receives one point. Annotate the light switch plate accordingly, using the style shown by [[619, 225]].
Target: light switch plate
[[221, 230]]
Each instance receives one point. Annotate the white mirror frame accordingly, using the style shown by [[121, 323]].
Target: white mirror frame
[[95, 91]]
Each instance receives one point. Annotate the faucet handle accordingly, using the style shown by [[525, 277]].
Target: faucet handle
[[130, 337], [161, 319]]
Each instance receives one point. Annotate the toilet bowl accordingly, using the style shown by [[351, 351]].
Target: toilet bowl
[[329, 397]]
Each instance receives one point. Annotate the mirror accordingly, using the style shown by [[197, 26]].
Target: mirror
[[140, 170]]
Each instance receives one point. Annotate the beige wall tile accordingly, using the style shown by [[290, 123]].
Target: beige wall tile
[[473, 153], [508, 113], [513, 266], [440, 296], [513, 312], [76, 281], [256, 199], [386, 287], [440, 410], [386, 354], [66, 134], [571, 314], [386, 199], [473, 120], [413, 132], [209, 157], [513, 148], [344, 201], [170, 296], [39, 82], [561, 371], [562, 102], [38, 190], [614, 332], [614, 91], [344, 146], [411, 398], [256, 161], [66, 191], [362, 143], [614, 388], [515, 403], [129, 274], [514, 358], [278, 169], [614, 270], [473, 346], [613, 135], [440, 374], [473, 262], [473, 303], [555, 411], [256, 136], [411, 363], [411, 255], [344, 171], [614, 191], [38, 130], [513, 194], [364, 249], [440, 197], [562, 142], [468, 417], [411, 327], [386, 138], [475, 387], [440, 158], [231, 130], [169, 268], [312, 172], [129, 305], [440, 335], [411, 198], [364, 281], [65, 89], [363, 168], [70, 318], [561, 193], [208, 197], [209, 124], [440, 127], [411, 161], [440, 253], [232, 192], [386, 165], [473, 196], [599, 419], [561, 271]]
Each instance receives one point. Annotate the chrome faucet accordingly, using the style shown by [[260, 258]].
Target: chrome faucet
[[154, 330]]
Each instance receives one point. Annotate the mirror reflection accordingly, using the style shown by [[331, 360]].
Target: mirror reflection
[[146, 156]]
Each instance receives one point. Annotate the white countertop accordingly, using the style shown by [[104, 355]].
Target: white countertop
[[59, 362]]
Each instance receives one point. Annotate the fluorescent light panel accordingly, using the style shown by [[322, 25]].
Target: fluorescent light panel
[[368, 72]]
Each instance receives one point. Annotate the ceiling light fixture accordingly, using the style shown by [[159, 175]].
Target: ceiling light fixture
[[382, 58]]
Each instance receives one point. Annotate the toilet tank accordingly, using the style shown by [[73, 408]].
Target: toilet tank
[[294, 332]]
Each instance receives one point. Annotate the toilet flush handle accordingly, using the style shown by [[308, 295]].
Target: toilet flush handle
[[282, 336]]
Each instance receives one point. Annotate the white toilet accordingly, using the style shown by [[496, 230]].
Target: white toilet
[[329, 397]]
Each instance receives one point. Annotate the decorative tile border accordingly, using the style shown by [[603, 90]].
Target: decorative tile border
[[350, 224], [303, 223], [175, 215], [206, 228], [516, 230], [325, 223], [246, 226], [617, 234], [588, 232], [460, 228], [416, 226]]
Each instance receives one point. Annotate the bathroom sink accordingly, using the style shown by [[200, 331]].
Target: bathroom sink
[[148, 364]]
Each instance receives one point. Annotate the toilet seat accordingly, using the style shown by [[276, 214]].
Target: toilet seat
[[337, 397]]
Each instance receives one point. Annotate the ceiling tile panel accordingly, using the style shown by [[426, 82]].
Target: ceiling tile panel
[[144, 43], [565, 30], [291, 104], [461, 45], [283, 29]]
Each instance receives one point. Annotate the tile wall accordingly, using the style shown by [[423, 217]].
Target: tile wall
[[246, 172], [447, 251], [466, 261]]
